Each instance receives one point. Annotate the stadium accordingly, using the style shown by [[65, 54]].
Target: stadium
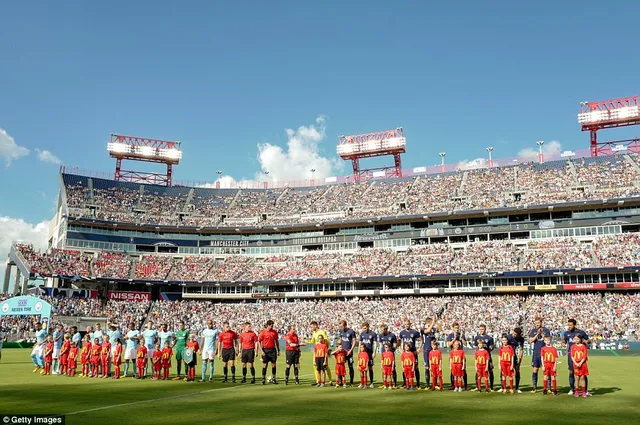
[[501, 245], [427, 283]]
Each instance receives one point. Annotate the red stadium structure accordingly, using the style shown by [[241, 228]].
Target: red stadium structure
[[144, 150], [381, 143], [605, 114]]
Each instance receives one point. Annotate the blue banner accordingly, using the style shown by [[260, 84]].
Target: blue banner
[[27, 306]]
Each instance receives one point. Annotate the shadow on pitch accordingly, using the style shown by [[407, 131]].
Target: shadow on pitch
[[602, 391], [593, 390]]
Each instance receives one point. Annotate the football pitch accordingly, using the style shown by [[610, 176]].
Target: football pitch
[[614, 383]]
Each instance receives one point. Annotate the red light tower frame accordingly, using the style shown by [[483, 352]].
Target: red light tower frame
[[144, 150], [381, 143], [609, 116]]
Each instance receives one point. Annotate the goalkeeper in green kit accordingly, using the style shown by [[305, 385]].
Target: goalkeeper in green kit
[[179, 345]]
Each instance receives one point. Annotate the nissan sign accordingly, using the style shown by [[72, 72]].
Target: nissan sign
[[129, 296]]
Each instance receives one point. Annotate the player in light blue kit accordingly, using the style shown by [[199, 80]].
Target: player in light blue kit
[[165, 335], [98, 334], [210, 336], [132, 347], [76, 337], [36, 353], [150, 338], [57, 345], [113, 332]]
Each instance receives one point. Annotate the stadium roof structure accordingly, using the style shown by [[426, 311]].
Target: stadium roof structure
[[605, 114], [142, 149], [380, 143]]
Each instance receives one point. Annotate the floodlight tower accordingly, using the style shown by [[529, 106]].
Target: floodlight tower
[[490, 149], [144, 150], [369, 145], [605, 114], [540, 154]]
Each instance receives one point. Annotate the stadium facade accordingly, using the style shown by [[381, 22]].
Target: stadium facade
[[518, 205]]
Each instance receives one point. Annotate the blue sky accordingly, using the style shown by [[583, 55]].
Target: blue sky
[[224, 77]]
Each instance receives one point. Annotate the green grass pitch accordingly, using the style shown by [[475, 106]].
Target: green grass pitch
[[614, 382]]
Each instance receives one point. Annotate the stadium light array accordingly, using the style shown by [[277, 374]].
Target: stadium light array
[[118, 148], [390, 140], [150, 152], [146, 150], [380, 143], [371, 146], [171, 153], [608, 115]]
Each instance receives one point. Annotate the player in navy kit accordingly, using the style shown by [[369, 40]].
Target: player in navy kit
[[489, 345], [348, 343], [457, 335], [386, 337], [516, 340], [536, 337], [369, 339], [568, 342], [411, 337], [427, 334]]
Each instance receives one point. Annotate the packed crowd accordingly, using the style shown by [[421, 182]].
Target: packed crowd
[[192, 268], [18, 327], [299, 314], [153, 267], [69, 262], [609, 316], [522, 184], [437, 258], [618, 250], [126, 312], [86, 307], [37, 261], [625, 310], [121, 312], [606, 174], [551, 306], [113, 265], [433, 193], [498, 313]]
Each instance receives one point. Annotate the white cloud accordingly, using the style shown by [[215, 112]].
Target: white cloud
[[9, 149], [227, 182], [295, 162], [46, 156], [548, 149], [472, 164], [301, 155], [18, 230]]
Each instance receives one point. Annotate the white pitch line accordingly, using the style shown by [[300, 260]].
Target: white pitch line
[[162, 398], [149, 401]]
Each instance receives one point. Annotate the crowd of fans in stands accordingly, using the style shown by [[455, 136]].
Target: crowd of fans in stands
[[518, 185], [120, 312], [610, 316], [37, 261], [153, 267], [604, 316], [69, 262], [618, 250], [114, 265], [437, 258]]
